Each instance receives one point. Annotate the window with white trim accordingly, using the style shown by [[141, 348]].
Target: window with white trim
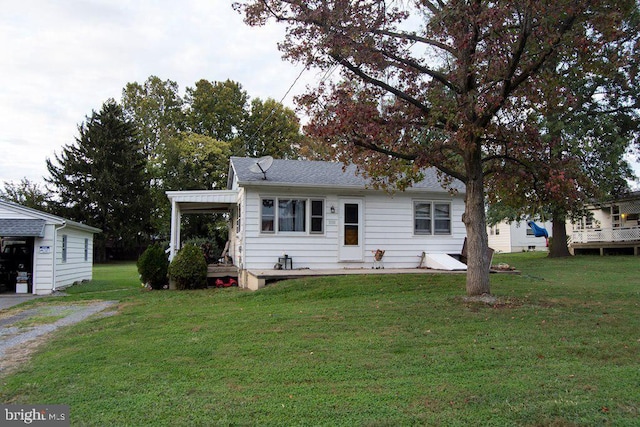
[[317, 217], [431, 218], [64, 248], [86, 249], [292, 215], [268, 216]]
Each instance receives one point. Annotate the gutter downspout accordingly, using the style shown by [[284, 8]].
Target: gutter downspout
[[55, 247]]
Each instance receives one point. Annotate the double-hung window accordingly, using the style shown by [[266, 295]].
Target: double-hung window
[[268, 216], [317, 216], [292, 215], [431, 218]]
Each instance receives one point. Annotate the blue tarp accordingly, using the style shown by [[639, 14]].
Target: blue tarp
[[537, 230]]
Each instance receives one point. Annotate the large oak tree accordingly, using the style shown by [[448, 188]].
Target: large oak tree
[[586, 121], [434, 83]]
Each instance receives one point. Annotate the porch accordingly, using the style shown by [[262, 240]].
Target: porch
[[606, 241], [257, 279], [193, 202]]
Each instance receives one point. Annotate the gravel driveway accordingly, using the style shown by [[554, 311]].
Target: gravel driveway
[[21, 332]]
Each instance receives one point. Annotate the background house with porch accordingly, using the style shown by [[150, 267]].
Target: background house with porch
[[612, 227], [320, 215]]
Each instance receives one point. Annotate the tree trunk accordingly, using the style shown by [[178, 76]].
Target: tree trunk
[[475, 221], [559, 246]]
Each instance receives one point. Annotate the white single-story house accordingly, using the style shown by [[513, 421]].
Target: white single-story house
[[612, 226], [518, 237], [52, 252], [300, 214]]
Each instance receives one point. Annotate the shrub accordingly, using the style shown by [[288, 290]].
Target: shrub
[[153, 265], [210, 247], [188, 268]]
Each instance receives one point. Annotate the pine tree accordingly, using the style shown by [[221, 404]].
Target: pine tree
[[100, 180]]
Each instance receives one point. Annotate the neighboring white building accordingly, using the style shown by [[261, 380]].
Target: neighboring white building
[[324, 216], [517, 237], [612, 227], [56, 252]]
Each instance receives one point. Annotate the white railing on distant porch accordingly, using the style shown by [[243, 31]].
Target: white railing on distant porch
[[621, 234]]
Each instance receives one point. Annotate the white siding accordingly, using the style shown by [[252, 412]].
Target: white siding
[[43, 261], [602, 218], [388, 225], [235, 234], [75, 268], [12, 214], [513, 237], [47, 251], [520, 241], [500, 237]]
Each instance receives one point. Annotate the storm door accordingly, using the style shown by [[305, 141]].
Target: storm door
[[351, 230]]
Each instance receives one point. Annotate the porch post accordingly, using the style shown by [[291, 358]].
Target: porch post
[[176, 220]]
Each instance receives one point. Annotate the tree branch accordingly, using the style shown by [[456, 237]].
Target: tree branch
[[440, 77], [369, 79], [417, 38], [512, 81], [360, 142]]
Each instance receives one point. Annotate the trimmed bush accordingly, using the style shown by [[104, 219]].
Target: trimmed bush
[[210, 247], [189, 269], [153, 266]]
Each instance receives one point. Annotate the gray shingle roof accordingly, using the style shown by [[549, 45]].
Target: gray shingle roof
[[22, 227], [35, 214], [322, 174]]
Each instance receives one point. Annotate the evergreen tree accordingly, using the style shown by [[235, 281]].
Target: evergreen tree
[[100, 180]]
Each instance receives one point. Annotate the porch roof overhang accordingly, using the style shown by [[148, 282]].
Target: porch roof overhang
[[203, 201], [22, 227]]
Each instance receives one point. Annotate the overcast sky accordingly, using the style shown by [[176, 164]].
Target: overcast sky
[[61, 59]]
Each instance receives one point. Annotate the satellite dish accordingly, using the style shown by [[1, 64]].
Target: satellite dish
[[262, 165]]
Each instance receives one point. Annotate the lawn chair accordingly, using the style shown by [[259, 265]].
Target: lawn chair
[[225, 258], [377, 258]]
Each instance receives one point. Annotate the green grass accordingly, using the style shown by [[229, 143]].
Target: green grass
[[111, 281], [560, 348], [41, 319]]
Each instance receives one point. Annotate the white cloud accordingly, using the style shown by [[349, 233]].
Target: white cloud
[[61, 60]]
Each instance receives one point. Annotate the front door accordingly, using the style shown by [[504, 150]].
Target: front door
[[351, 230]]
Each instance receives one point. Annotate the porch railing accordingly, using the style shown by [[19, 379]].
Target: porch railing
[[621, 234]]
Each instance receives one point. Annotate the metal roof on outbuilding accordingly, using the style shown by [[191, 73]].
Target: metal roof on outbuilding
[[22, 227]]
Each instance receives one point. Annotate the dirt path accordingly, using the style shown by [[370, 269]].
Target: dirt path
[[21, 333]]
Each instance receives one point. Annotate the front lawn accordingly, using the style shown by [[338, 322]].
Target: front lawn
[[560, 348]]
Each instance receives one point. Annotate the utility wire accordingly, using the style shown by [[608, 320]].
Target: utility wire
[[281, 100]]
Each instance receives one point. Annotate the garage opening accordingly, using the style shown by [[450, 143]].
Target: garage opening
[[16, 264], [17, 238]]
